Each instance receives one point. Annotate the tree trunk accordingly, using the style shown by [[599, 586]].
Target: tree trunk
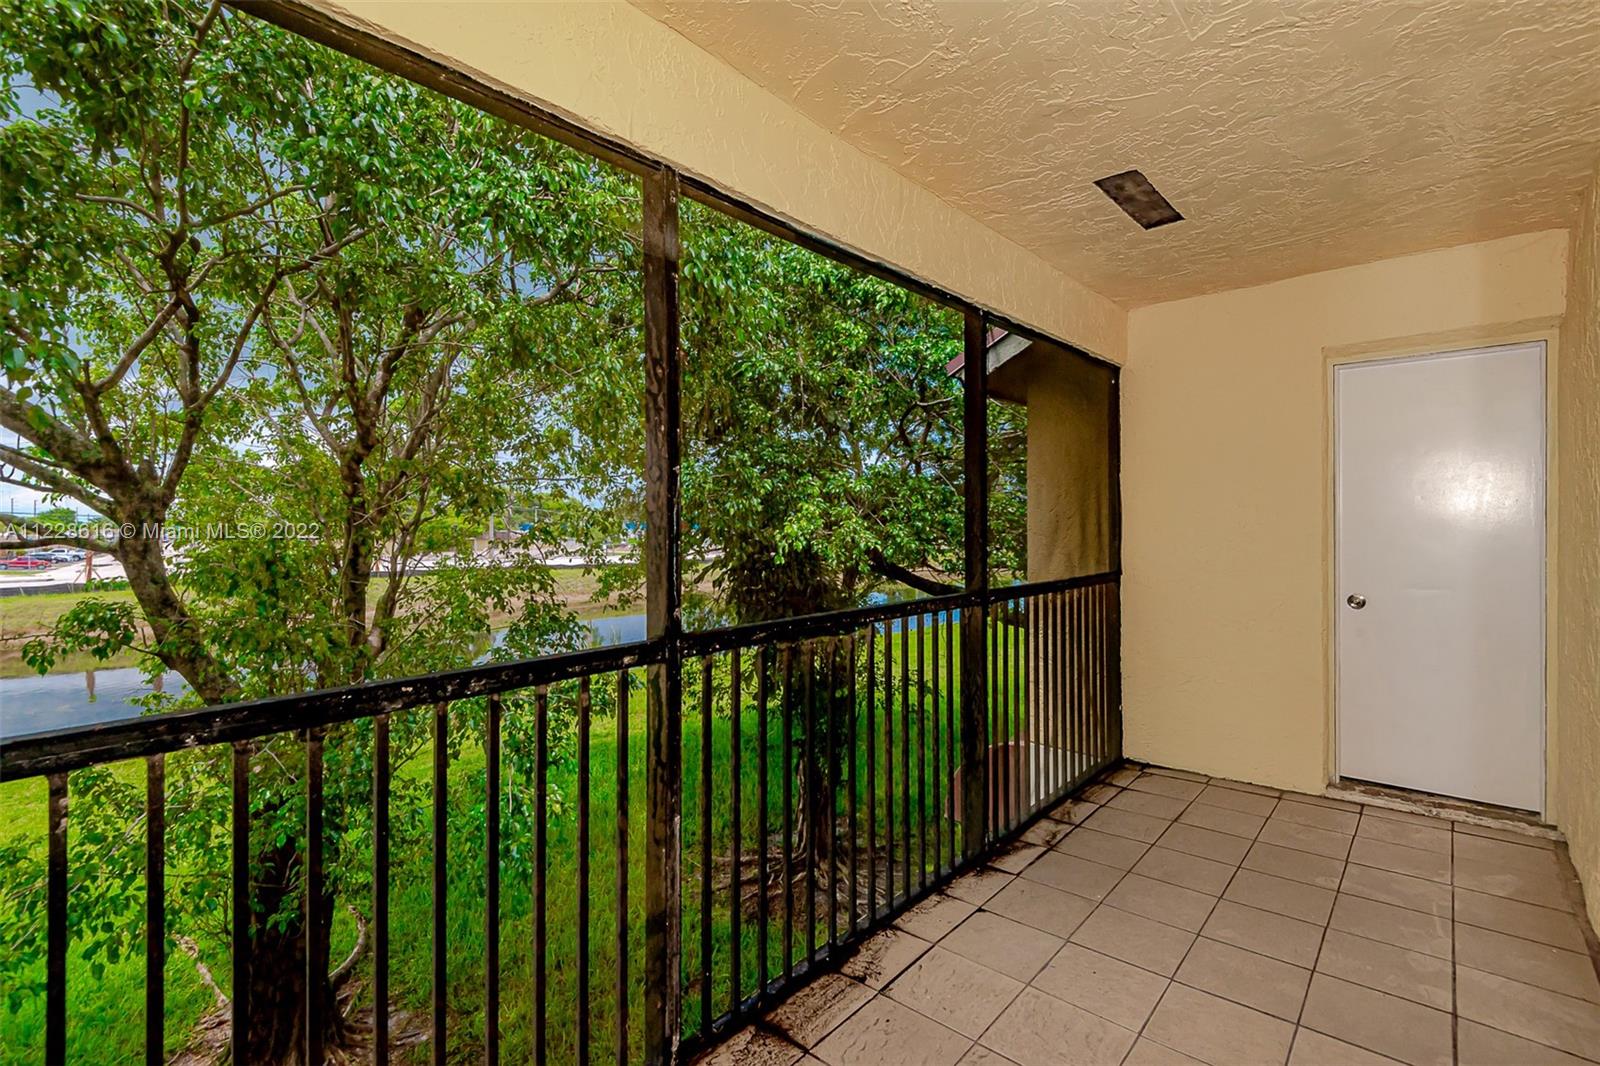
[[278, 969]]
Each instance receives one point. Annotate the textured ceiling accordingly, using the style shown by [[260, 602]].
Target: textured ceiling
[[1293, 136]]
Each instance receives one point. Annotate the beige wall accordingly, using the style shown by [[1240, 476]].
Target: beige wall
[[616, 70], [1069, 472], [1225, 494], [1577, 792]]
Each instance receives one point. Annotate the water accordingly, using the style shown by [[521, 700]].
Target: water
[[34, 704]]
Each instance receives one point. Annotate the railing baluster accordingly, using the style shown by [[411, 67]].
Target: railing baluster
[[239, 1033], [155, 910], [872, 777], [938, 713], [1063, 692], [905, 751], [889, 812], [55, 1004], [952, 718], [584, 721], [813, 788], [441, 883], [541, 837], [735, 814], [922, 754], [788, 811], [1079, 689], [706, 680], [763, 925], [316, 977], [491, 896], [832, 705], [623, 777], [380, 890], [850, 749]]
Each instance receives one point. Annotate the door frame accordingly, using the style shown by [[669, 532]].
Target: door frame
[[1543, 332]]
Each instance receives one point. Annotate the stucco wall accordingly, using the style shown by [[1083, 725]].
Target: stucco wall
[[1069, 473], [1577, 798], [616, 70], [1225, 494]]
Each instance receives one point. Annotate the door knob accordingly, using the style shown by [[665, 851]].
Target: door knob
[[1356, 601]]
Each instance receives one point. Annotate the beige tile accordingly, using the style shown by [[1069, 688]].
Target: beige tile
[[1072, 874], [1399, 816], [1002, 944], [1151, 803], [1235, 800], [1046, 833], [1414, 862], [1519, 856], [1127, 824], [1041, 906], [1115, 990], [884, 1031], [1435, 838], [813, 1012], [1543, 887], [1015, 858], [1537, 1014], [1183, 775], [1269, 985], [1103, 848], [1166, 786], [1147, 1052], [1122, 776], [1510, 836], [1173, 904], [1479, 1045], [1132, 938], [1312, 1048], [1098, 793], [978, 886], [1295, 865], [1265, 933], [1245, 786], [1206, 843], [1074, 811], [1324, 801], [1404, 928], [883, 957], [1391, 1026], [753, 1047], [1402, 890], [1566, 972], [935, 916], [982, 1056], [1190, 871], [1305, 838], [957, 991], [1407, 974], [1223, 820], [1217, 1031], [1040, 1030], [1315, 815], [1558, 928], [1280, 895]]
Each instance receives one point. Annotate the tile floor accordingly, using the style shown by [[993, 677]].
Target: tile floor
[[1168, 919]]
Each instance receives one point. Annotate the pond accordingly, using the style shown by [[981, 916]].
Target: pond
[[68, 698]]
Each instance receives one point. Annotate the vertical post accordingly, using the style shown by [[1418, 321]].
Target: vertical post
[[974, 618], [663, 725], [1114, 658], [55, 1002], [155, 903]]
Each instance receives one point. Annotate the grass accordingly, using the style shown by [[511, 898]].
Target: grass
[[105, 1019]]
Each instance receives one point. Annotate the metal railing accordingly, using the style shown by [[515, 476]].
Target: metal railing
[[831, 771]]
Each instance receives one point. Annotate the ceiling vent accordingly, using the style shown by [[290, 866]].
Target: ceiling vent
[[1143, 203]]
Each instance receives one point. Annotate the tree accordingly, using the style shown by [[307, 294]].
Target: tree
[[305, 323]]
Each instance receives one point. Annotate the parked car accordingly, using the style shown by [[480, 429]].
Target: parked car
[[59, 555], [23, 562]]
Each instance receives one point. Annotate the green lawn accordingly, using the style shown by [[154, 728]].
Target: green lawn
[[106, 1017]]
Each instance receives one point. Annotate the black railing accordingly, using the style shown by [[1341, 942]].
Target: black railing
[[830, 774]]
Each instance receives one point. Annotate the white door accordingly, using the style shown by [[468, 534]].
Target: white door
[[1439, 584]]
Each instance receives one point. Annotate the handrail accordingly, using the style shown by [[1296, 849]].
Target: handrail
[[61, 750]]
